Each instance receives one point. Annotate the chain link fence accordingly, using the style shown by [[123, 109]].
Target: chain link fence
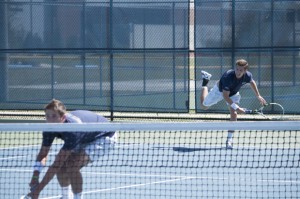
[[265, 33], [144, 56]]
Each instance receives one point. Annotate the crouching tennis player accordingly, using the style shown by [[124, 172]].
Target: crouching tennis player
[[74, 153]]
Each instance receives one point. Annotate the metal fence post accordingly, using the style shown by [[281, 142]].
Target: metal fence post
[[3, 56]]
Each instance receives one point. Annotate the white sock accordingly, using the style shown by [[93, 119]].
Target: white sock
[[230, 135], [78, 196], [67, 192]]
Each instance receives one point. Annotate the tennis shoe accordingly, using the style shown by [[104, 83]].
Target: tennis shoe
[[205, 75], [229, 144]]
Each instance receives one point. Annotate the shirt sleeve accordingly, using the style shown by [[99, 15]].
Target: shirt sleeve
[[72, 118], [250, 78], [48, 138]]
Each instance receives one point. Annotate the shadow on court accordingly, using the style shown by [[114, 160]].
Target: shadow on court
[[187, 149]]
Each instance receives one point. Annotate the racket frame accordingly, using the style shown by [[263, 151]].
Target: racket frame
[[260, 111]]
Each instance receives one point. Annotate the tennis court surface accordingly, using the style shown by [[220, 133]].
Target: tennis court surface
[[167, 160]]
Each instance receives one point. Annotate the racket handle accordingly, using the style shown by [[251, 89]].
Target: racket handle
[[255, 111], [247, 111]]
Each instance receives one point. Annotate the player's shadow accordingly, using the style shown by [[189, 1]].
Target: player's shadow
[[188, 149]]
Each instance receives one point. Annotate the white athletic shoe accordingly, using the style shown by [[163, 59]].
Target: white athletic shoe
[[206, 75], [229, 144]]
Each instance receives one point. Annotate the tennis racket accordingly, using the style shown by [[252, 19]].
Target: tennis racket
[[270, 111]]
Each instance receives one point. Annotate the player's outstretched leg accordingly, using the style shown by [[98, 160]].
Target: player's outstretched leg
[[229, 144], [204, 92], [205, 77], [229, 141]]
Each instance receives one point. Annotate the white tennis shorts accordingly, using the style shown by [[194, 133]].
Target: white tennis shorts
[[100, 147], [214, 96]]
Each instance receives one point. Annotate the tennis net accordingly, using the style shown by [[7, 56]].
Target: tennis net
[[166, 160]]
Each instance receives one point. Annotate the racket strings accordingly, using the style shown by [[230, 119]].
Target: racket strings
[[273, 111]]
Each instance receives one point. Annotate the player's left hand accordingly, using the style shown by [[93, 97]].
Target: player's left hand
[[34, 194], [34, 180]]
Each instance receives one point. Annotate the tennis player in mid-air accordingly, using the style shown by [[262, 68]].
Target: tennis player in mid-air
[[227, 88], [74, 153]]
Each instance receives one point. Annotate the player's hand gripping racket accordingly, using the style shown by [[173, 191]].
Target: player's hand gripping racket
[[27, 196], [270, 111], [33, 184]]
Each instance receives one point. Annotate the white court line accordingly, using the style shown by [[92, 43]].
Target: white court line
[[130, 174], [169, 176], [128, 186], [160, 182], [14, 157], [192, 177], [20, 156], [118, 145], [17, 170], [133, 145], [19, 147], [27, 146], [138, 185], [24, 156], [124, 174], [177, 178], [280, 181], [133, 174], [127, 145]]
